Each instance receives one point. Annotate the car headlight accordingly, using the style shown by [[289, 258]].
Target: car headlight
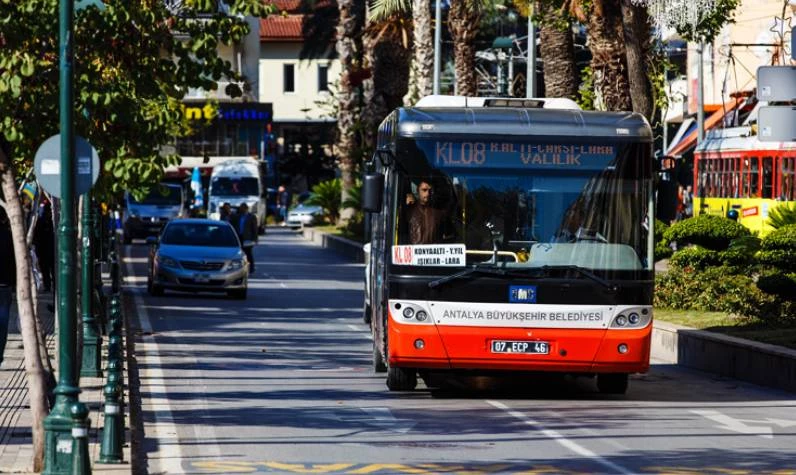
[[235, 264], [167, 261]]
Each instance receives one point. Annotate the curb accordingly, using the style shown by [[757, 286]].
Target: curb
[[745, 360]]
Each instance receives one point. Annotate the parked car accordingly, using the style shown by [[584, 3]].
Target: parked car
[[304, 215], [148, 216], [198, 255]]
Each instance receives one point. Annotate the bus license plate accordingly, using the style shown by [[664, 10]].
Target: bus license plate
[[534, 347]]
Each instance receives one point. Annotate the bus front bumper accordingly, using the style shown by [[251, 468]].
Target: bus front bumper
[[471, 348]]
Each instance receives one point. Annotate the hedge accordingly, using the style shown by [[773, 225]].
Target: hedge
[[711, 232]]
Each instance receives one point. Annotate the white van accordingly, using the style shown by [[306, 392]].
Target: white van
[[238, 181]]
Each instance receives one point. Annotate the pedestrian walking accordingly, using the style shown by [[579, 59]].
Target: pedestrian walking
[[225, 213], [8, 278], [44, 241], [246, 226], [282, 203]]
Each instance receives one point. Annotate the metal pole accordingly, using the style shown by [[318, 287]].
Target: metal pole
[[58, 424], [92, 342], [700, 95], [437, 44], [530, 73]]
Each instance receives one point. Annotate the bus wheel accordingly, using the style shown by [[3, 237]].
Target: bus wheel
[[378, 361], [612, 383], [401, 379]]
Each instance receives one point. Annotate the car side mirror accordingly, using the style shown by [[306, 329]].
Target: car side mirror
[[372, 192], [247, 244], [152, 241]]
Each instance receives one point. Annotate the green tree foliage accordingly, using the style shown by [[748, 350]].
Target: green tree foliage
[[327, 195], [711, 22], [782, 215], [712, 232], [131, 72], [662, 248]]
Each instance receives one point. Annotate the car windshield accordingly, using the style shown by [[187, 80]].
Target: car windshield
[[235, 186], [161, 195], [200, 234], [572, 205]]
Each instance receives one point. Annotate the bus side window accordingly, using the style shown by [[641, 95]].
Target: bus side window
[[768, 178], [754, 178], [787, 179]]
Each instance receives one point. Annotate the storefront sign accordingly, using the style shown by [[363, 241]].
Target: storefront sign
[[230, 112]]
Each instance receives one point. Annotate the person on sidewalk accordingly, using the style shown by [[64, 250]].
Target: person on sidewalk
[[8, 278], [245, 225], [44, 240]]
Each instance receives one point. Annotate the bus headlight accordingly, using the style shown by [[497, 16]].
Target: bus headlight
[[621, 320], [421, 316], [409, 312], [633, 318]]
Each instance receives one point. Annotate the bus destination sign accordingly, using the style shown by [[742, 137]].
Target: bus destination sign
[[494, 154], [436, 255]]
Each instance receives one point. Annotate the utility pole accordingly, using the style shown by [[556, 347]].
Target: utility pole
[[58, 425], [437, 44], [700, 95], [530, 79]]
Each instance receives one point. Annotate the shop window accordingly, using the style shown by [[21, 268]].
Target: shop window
[[323, 77]]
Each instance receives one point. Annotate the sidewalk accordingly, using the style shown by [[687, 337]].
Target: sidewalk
[[15, 418]]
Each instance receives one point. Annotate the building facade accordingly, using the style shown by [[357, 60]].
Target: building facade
[[301, 91]]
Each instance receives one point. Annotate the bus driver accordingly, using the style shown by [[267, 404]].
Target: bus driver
[[424, 221]]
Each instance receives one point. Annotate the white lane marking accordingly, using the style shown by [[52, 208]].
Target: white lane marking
[[383, 418], [168, 457], [283, 285], [561, 440], [736, 425]]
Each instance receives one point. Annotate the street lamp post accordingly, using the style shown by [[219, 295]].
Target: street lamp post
[[92, 341], [530, 79], [58, 425]]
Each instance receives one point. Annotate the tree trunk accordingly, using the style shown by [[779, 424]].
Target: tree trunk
[[40, 333], [464, 18], [557, 48], [349, 49], [421, 73], [37, 389], [636, 28], [609, 61]]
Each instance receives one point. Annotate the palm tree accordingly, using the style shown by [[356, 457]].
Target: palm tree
[[637, 34], [422, 61], [557, 48], [464, 19], [349, 49], [609, 59]]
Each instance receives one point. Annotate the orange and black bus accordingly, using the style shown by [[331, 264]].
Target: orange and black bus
[[544, 261]]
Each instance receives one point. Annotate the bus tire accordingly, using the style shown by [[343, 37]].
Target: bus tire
[[379, 365], [401, 379], [612, 383]]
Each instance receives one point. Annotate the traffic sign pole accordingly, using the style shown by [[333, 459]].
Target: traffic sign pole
[[58, 424]]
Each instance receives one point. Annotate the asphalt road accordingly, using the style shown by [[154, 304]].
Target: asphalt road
[[282, 383]]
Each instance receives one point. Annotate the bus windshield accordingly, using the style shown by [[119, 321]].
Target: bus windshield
[[519, 205]]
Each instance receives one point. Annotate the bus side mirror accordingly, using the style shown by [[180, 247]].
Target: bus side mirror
[[372, 191]]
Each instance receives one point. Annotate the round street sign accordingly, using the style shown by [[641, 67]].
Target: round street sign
[[47, 164]]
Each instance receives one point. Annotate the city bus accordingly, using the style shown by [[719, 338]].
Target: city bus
[[544, 256], [736, 173]]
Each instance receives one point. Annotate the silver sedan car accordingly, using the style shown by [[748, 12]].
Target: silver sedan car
[[198, 255]]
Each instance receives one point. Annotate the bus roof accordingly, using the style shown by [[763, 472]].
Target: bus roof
[[738, 139], [517, 122]]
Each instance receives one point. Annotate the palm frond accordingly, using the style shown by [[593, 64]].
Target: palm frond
[[382, 9], [782, 215]]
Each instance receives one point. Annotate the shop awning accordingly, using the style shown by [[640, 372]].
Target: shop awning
[[689, 140]]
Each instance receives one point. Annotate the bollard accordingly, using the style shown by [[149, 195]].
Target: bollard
[[111, 447], [81, 463]]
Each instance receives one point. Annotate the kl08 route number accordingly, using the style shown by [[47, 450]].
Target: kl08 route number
[[534, 347]]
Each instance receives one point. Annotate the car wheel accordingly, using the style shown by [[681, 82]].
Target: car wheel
[[155, 290], [401, 379], [612, 383], [238, 294], [366, 314]]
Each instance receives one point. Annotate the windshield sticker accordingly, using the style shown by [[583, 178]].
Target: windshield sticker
[[430, 255], [513, 155], [522, 293]]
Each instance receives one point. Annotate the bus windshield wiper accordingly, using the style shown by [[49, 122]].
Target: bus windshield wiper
[[488, 270], [582, 271]]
